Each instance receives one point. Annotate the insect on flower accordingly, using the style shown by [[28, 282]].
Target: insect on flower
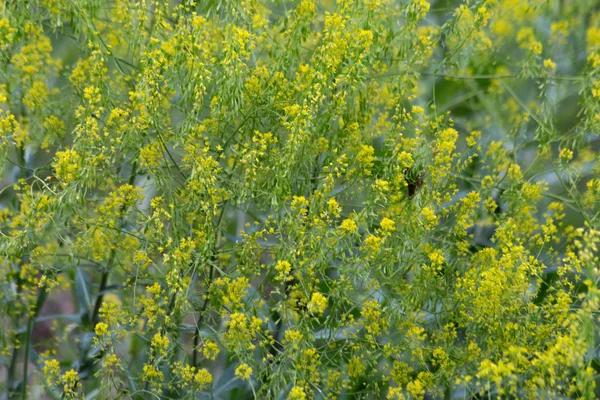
[[414, 180]]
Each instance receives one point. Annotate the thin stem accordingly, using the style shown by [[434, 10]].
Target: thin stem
[[100, 297], [41, 299], [104, 282], [10, 379], [479, 77], [200, 320], [30, 323], [210, 278]]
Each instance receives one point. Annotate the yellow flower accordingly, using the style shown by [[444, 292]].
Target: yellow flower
[[317, 304], [356, 367], [551, 65], [333, 207], [151, 155], [502, 28], [293, 337], [405, 160], [395, 393], [429, 217], [473, 138], [419, 8], [373, 243], [243, 371], [284, 268], [566, 154], [306, 9], [152, 374], [112, 361], [436, 257], [51, 371], [416, 389], [297, 393], [203, 378], [593, 38], [526, 40], [349, 226], [101, 329], [239, 332], [211, 350], [373, 316], [36, 96], [299, 202], [417, 110], [388, 225], [70, 382], [160, 344], [366, 158], [68, 165], [440, 357]]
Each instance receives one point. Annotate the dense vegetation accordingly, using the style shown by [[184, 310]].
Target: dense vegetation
[[301, 199]]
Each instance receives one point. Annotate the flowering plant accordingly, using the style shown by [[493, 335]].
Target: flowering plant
[[299, 199]]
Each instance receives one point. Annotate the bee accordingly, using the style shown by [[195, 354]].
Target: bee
[[414, 180]]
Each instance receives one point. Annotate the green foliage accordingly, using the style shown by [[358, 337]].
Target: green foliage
[[299, 199]]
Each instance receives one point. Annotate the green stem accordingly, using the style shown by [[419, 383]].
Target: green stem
[[42, 295], [104, 279], [103, 283], [95, 318], [210, 278], [30, 324], [10, 378], [200, 319]]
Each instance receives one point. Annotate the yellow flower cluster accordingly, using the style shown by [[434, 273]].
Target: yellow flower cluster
[[301, 199]]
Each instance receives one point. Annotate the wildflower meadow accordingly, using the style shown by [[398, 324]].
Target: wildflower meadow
[[299, 199]]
